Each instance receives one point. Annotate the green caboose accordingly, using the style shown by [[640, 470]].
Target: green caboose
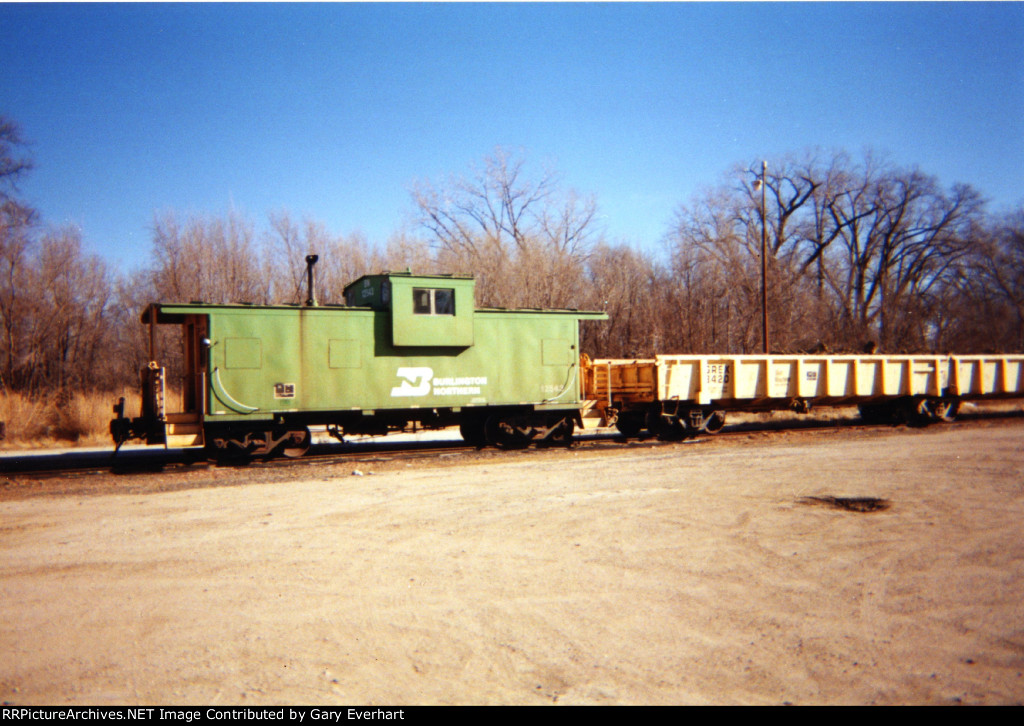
[[406, 351]]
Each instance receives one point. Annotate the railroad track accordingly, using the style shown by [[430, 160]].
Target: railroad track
[[367, 452]]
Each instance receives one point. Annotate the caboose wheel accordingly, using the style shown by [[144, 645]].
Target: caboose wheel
[[473, 433], [561, 434], [224, 453], [297, 443], [505, 434]]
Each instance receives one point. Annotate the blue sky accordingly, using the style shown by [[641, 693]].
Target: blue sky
[[333, 111]]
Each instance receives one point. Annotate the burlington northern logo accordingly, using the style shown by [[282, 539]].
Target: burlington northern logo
[[415, 382], [421, 382]]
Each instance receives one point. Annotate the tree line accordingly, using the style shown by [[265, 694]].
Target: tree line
[[861, 254]]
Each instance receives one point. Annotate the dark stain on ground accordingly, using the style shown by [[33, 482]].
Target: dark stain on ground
[[851, 504]]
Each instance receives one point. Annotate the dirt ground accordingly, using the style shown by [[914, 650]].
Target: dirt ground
[[708, 572]]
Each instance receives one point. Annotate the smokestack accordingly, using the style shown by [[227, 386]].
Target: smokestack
[[310, 287]]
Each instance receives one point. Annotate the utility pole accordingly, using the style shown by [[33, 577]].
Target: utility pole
[[764, 263]]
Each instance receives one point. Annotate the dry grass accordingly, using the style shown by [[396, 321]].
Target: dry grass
[[81, 419]]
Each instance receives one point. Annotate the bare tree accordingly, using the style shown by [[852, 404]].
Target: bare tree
[[15, 286], [14, 160], [211, 259], [524, 240], [631, 287], [900, 236], [342, 259], [54, 300], [856, 251], [715, 249], [405, 251], [17, 221], [1003, 265], [74, 297], [983, 310]]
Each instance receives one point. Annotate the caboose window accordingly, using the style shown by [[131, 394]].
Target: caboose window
[[422, 303], [444, 302], [433, 301]]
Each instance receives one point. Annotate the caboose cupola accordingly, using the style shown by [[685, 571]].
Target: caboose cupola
[[426, 310]]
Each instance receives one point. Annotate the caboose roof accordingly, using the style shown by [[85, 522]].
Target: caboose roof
[[174, 313], [408, 275]]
